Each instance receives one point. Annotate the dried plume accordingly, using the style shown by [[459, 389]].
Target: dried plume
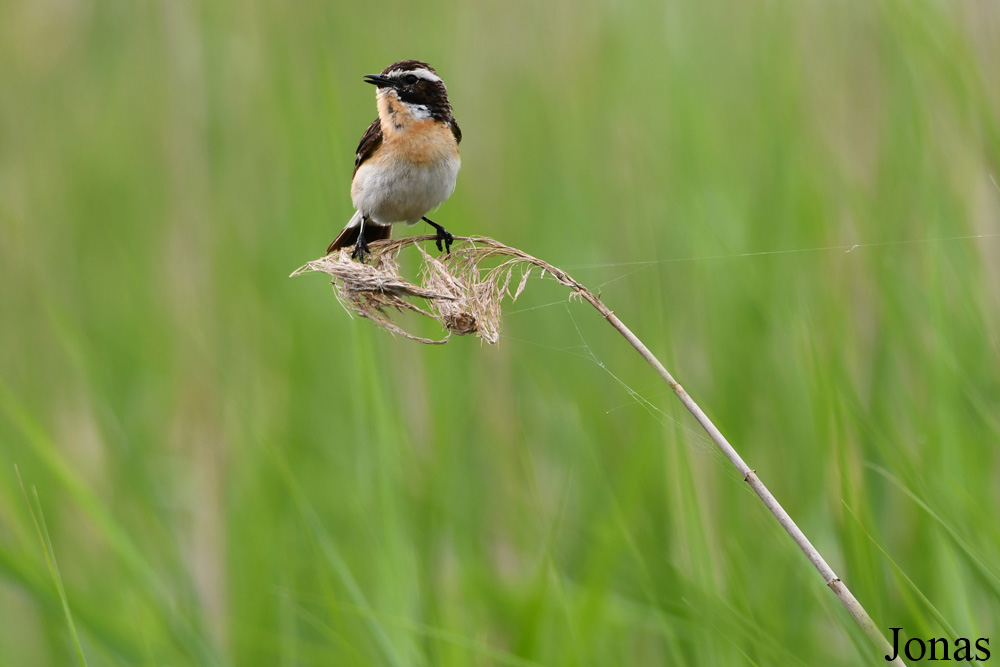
[[462, 291]]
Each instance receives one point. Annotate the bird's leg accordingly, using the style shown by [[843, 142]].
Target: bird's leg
[[361, 245], [442, 235]]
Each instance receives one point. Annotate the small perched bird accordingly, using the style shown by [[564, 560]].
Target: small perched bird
[[407, 161]]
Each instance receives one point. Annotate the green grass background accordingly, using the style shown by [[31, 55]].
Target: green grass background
[[234, 472]]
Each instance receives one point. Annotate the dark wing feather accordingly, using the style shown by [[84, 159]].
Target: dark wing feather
[[370, 142], [456, 130]]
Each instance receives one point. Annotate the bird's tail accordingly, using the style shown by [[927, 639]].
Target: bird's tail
[[349, 236]]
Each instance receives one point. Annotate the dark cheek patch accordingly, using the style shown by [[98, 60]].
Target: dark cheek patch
[[420, 93]]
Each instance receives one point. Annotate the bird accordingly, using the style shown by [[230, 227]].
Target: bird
[[407, 161]]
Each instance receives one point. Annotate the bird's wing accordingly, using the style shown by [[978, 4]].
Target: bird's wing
[[456, 130], [370, 142]]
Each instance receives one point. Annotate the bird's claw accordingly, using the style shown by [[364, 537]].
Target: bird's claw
[[448, 239], [361, 248], [442, 235]]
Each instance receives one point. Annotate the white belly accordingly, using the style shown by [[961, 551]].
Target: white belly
[[403, 191]]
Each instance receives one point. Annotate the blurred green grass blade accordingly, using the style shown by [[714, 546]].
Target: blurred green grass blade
[[476, 648], [50, 457], [53, 565], [116, 536], [988, 574], [95, 624], [330, 551], [952, 632]]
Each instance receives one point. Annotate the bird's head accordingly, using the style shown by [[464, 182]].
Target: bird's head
[[414, 82]]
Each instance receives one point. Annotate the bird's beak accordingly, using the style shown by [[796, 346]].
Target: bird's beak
[[378, 80]]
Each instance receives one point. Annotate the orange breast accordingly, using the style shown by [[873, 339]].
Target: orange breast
[[423, 141], [419, 140]]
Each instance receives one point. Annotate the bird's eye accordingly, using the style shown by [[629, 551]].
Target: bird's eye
[[410, 79]]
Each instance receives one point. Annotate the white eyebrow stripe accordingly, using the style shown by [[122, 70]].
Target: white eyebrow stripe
[[420, 73]]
